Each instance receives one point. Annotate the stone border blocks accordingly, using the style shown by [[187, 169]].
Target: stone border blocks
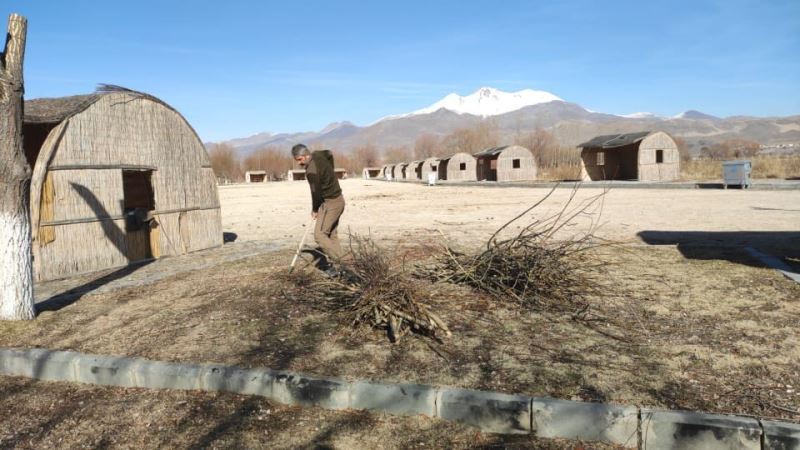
[[492, 412], [553, 418], [690, 430], [489, 411], [397, 399]]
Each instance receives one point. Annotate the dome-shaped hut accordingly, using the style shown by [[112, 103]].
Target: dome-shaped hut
[[642, 156], [508, 163], [429, 166], [459, 167], [400, 171], [414, 170], [118, 177]]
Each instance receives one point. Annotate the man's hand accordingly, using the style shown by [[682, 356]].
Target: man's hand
[[313, 215]]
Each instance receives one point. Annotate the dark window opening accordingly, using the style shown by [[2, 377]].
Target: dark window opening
[[515, 163], [137, 188], [659, 156], [462, 166]]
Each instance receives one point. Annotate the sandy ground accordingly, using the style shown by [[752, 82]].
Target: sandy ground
[[395, 211], [695, 323]]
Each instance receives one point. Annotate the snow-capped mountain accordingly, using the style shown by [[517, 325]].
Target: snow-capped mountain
[[641, 115], [695, 115], [523, 111], [484, 102]]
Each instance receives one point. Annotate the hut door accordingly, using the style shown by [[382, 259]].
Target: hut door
[[138, 204]]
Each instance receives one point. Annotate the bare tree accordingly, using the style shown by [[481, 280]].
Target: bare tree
[[427, 145], [396, 155], [482, 135], [225, 162], [367, 155], [271, 160], [16, 268]]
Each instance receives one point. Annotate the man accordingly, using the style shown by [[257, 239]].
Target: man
[[327, 203]]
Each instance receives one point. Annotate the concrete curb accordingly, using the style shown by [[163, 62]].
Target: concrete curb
[[492, 412]]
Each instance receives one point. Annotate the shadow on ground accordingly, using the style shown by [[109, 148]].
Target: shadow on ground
[[730, 245]]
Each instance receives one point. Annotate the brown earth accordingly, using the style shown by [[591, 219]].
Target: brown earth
[[692, 324]]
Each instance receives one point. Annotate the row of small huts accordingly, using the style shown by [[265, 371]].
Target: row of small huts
[[507, 163], [640, 156]]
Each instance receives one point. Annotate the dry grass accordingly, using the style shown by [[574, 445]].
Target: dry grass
[[560, 172], [774, 167]]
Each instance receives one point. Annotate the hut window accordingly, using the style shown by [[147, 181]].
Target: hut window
[[515, 163], [462, 166], [137, 189], [601, 158], [659, 156]]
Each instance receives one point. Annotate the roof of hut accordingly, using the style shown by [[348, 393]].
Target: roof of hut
[[492, 151], [615, 140], [54, 110]]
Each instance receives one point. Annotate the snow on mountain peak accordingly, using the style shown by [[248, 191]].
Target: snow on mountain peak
[[488, 101], [641, 115]]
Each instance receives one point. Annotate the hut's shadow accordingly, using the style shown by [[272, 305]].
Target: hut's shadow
[[116, 235], [731, 245]]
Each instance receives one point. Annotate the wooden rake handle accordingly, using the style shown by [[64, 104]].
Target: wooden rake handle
[[300, 247]]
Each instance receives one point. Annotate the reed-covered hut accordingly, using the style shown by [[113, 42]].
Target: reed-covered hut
[[400, 171], [459, 167], [414, 170], [255, 176], [507, 163], [429, 166], [641, 156], [118, 177], [371, 172]]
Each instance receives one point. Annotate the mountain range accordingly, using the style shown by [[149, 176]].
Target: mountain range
[[524, 111]]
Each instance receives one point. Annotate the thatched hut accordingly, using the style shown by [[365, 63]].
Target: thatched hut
[[255, 176], [414, 170], [459, 167], [507, 163], [400, 171], [429, 166], [371, 172], [118, 177], [642, 156]]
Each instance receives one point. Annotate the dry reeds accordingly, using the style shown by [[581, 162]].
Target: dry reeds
[[772, 167], [374, 290], [532, 269]]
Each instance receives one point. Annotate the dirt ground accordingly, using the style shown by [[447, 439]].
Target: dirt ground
[[688, 320]]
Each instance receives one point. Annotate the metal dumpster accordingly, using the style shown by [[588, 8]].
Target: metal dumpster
[[736, 173]]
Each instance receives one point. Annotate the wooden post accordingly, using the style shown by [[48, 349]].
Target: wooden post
[[16, 271]]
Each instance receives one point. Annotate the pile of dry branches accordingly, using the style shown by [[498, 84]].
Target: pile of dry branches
[[373, 290], [532, 268]]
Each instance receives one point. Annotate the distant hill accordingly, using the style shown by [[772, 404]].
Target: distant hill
[[528, 110]]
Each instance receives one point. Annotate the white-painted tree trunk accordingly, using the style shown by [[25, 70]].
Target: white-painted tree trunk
[[16, 279], [16, 271]]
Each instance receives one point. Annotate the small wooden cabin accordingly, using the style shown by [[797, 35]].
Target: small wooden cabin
[[429, 166], [400, 171], [507, 163], [371, 172], [118, 177], [414, 170], [255, 176], [459, 167], [642, 156]]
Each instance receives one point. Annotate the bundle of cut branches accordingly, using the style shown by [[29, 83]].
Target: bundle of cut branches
[[532, 268], [373, 290]]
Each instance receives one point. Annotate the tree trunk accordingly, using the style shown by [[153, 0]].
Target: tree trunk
[[16, 270]]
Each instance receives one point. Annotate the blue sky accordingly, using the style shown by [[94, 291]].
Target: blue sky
[[235, 68]]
